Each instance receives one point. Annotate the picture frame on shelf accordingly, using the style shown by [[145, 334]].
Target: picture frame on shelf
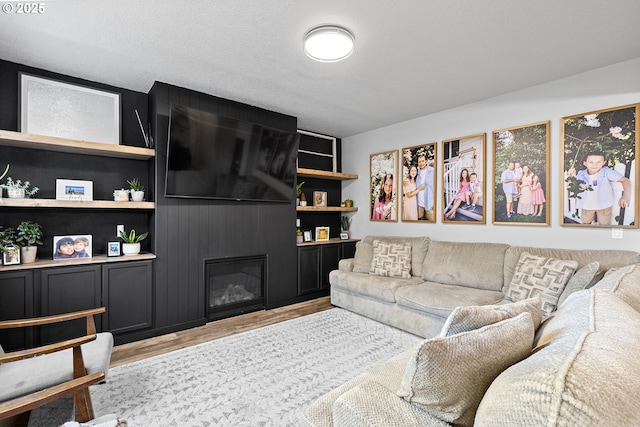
[[521, 175], [307, 235], [344, 236], [463, 180], [72, 246], [599, 184], [320, 198], [113, 249], [11, 256], [383, 168], [71, 189], [422, 159], [322, 234], [59, 109]]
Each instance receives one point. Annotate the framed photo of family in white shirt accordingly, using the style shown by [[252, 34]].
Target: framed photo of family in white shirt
[[599, 172], [419, 183], [521, 175]]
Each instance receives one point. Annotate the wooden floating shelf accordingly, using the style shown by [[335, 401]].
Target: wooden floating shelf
[[41, 142], [74, 204], [315, 173], [98, 259], [325, 209], [327, 242]]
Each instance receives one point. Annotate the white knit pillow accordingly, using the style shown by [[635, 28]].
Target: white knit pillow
[[391, 259], [448, 376]]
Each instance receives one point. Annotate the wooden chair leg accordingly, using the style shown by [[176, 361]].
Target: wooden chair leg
[[83, 405], [20, 420]]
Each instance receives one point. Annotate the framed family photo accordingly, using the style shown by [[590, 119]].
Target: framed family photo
[[419, 183], [322, 234], [600, 176], [521, 175], [77, 246], [384, 172], [463, 177], [11, 256], [71, 189]]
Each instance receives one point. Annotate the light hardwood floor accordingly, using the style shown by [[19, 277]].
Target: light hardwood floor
[[127, 353]]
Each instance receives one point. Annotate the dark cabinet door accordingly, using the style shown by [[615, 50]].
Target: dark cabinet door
[[308, 269], [67, 289], [16, 302], [127, 292], [329, 258], [348, 250]]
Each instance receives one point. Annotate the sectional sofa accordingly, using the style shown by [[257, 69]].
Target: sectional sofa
[[515, 336]]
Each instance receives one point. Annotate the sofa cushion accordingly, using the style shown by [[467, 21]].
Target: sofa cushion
[[440, 300], [363, 257], [376, 287], [468, 318], [483, 264], [540, 276], [608, 258], [625, 283], [391, 259], [584, 369], [584, 278], [447, 376], [419, 247]]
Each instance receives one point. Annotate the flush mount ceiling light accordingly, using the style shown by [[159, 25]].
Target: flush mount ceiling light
[[329, 43]]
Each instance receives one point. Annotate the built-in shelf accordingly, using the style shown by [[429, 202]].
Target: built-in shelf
[[314, 173], [64, 145], [325, 209], [98, 259], [74, 204], [327, 242]]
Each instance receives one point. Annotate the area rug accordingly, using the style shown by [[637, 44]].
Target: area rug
[[264, 377]]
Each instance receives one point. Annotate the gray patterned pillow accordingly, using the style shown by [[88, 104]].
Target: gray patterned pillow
[[448, 376], [539, 276], [391, 259]]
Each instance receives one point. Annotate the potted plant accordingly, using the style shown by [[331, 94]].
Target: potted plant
[[298, 192], [131, 245], [29, 235], [345, 223], [8, 239], [18, 189], [136, 189], [303, 199]]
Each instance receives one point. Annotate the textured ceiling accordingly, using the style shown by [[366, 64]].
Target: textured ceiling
[[412, 57]]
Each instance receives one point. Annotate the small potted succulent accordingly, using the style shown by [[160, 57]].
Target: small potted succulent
[[131, 245], [29, 235], [136, 189], [345, 223], [298, 192], [18, 189]]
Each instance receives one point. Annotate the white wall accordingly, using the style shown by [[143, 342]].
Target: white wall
[[607, 87]]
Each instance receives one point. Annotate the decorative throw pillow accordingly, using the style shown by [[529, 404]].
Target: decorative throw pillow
[[584, 278], [362, 258], [539, 276], [448, 376], [468, 318], [391, 259]]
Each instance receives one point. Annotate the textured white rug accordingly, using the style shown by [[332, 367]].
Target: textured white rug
[[264, 377]]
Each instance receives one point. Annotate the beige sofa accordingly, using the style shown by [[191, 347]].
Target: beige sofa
[[579, 367]]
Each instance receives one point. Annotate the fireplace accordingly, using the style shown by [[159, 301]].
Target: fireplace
[[235, 285]]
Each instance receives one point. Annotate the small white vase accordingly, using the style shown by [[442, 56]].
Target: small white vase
[[16, 193], [303, 203], [28, 254], [137, 196], [130, 248]]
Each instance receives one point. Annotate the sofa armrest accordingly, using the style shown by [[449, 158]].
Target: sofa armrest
[[370, 404], [346, 264]]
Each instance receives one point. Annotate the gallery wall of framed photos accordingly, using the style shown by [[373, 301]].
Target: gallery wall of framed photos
[[550, 132]]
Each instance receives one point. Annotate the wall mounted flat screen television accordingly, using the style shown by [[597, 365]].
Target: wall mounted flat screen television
[[210, 156]]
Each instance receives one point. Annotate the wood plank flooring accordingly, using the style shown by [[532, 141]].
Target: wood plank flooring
[[131, 352]]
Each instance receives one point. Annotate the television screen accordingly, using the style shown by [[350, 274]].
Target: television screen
[[217, 157]]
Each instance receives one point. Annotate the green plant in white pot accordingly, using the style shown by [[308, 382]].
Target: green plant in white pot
[[131, 245], [29, 235], [18, 189], [136, 189]]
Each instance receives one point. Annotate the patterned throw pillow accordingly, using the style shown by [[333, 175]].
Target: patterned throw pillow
[[468, 318], [391, 259], [539, 276], [448, 376]]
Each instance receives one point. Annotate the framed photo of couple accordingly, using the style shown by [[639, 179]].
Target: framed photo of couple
[[463, 178], [418, 183], [521, 175], [599, 171]]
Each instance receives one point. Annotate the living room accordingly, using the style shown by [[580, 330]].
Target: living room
[[173, 298]]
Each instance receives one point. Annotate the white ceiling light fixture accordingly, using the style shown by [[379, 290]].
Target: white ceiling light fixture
[[329, 43]]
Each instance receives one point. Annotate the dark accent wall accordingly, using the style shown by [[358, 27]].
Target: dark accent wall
[[189, 230]]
